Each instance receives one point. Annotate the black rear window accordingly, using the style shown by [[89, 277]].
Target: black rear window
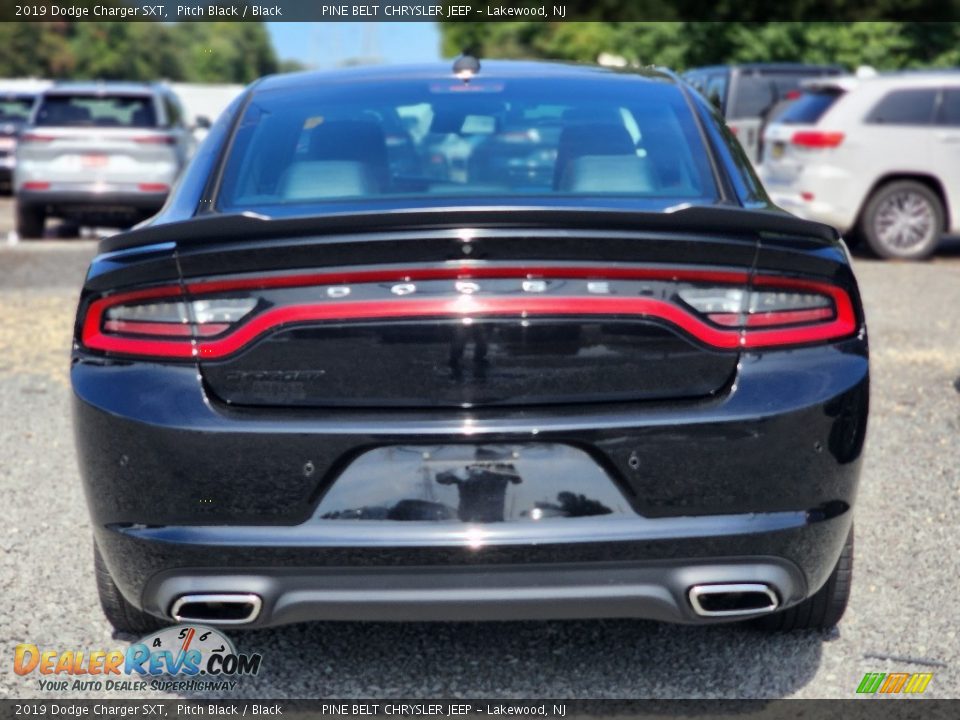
[[440, 138], [756, 93], [810, 107], [102, 111]]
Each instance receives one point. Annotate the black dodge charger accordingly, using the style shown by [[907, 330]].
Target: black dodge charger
[[471, 343]]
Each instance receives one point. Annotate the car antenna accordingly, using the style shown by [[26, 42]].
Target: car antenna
[[466, 66]]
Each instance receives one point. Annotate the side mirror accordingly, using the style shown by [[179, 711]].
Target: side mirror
[[201, 122]]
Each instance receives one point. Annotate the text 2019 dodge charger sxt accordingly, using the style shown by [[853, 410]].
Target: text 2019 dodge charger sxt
[[525, 341]]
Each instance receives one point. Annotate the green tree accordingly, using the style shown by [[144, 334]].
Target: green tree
[[200, 52], [886, 45]]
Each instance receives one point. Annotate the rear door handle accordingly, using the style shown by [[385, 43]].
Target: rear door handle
[[950, 137]]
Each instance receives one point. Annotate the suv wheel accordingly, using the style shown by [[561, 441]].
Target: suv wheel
[[122, 615], [824, 609], [903, 220], [30, 221]]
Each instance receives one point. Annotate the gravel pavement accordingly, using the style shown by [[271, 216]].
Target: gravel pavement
[[904, 615]]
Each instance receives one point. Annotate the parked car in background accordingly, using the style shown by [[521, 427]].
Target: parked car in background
[[878, 158], [597, 375], [203, 103], [17, 98], [99, 153], [748, 95]]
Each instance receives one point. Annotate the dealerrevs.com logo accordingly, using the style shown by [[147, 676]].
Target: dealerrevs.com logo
[[183, 657]]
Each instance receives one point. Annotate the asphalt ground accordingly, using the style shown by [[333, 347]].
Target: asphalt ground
[[903, 614]]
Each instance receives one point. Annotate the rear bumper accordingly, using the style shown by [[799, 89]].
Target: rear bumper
[[756, 485], [656, 591], [94, 199], [827, 212], [835, 195]]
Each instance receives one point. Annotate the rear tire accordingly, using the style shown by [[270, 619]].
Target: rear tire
[[122, 615], [822, 610], [903, 220], [30, 221]]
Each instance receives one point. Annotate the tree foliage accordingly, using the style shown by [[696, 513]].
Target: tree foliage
[[192, 52], [886, 45]]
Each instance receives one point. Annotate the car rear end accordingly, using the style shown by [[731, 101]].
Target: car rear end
[[807, 165], [755, 95], [489, 408], [99, 154]]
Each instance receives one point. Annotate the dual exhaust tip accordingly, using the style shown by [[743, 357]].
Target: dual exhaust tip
[[219, 609], [729, 600], [733, 599]]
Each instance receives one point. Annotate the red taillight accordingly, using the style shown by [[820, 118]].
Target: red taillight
[[718, 308], [36, 138], [792, 95], [153, 187], [777, 311], [158, 323], [768, 319], [155, 140], [816, 139], [35, 185]]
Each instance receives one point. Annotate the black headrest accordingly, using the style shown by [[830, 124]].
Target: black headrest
[[591, 115], [359, 141], [355, 140], [591, 139]]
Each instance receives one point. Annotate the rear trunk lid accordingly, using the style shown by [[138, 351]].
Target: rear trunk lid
[[453, 319], [433, 310]]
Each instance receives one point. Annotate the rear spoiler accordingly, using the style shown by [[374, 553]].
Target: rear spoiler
[[843, 83], [688, 219]]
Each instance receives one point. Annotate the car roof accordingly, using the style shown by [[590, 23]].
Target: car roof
[[501, 69], [770, 67], [103, 87], [909, 78], [26, 86], [901, 79], [838, 82]]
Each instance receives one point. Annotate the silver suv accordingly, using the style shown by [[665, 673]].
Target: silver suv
[[99, 154]]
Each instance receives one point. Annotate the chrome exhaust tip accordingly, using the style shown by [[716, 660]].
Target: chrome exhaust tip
[[733, 599], [223, 609]]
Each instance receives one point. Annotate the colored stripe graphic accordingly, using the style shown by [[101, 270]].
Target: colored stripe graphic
[[893, 683], [918, 682], [871, 683]]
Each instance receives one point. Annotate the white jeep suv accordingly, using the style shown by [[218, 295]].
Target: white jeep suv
[[878, 158]]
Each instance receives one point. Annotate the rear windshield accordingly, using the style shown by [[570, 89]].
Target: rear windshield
[[132, 111], [757, 93], [15, 109], [423, 138], [809, 107]]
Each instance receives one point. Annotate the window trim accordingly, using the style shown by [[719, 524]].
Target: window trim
[[939, 120]]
